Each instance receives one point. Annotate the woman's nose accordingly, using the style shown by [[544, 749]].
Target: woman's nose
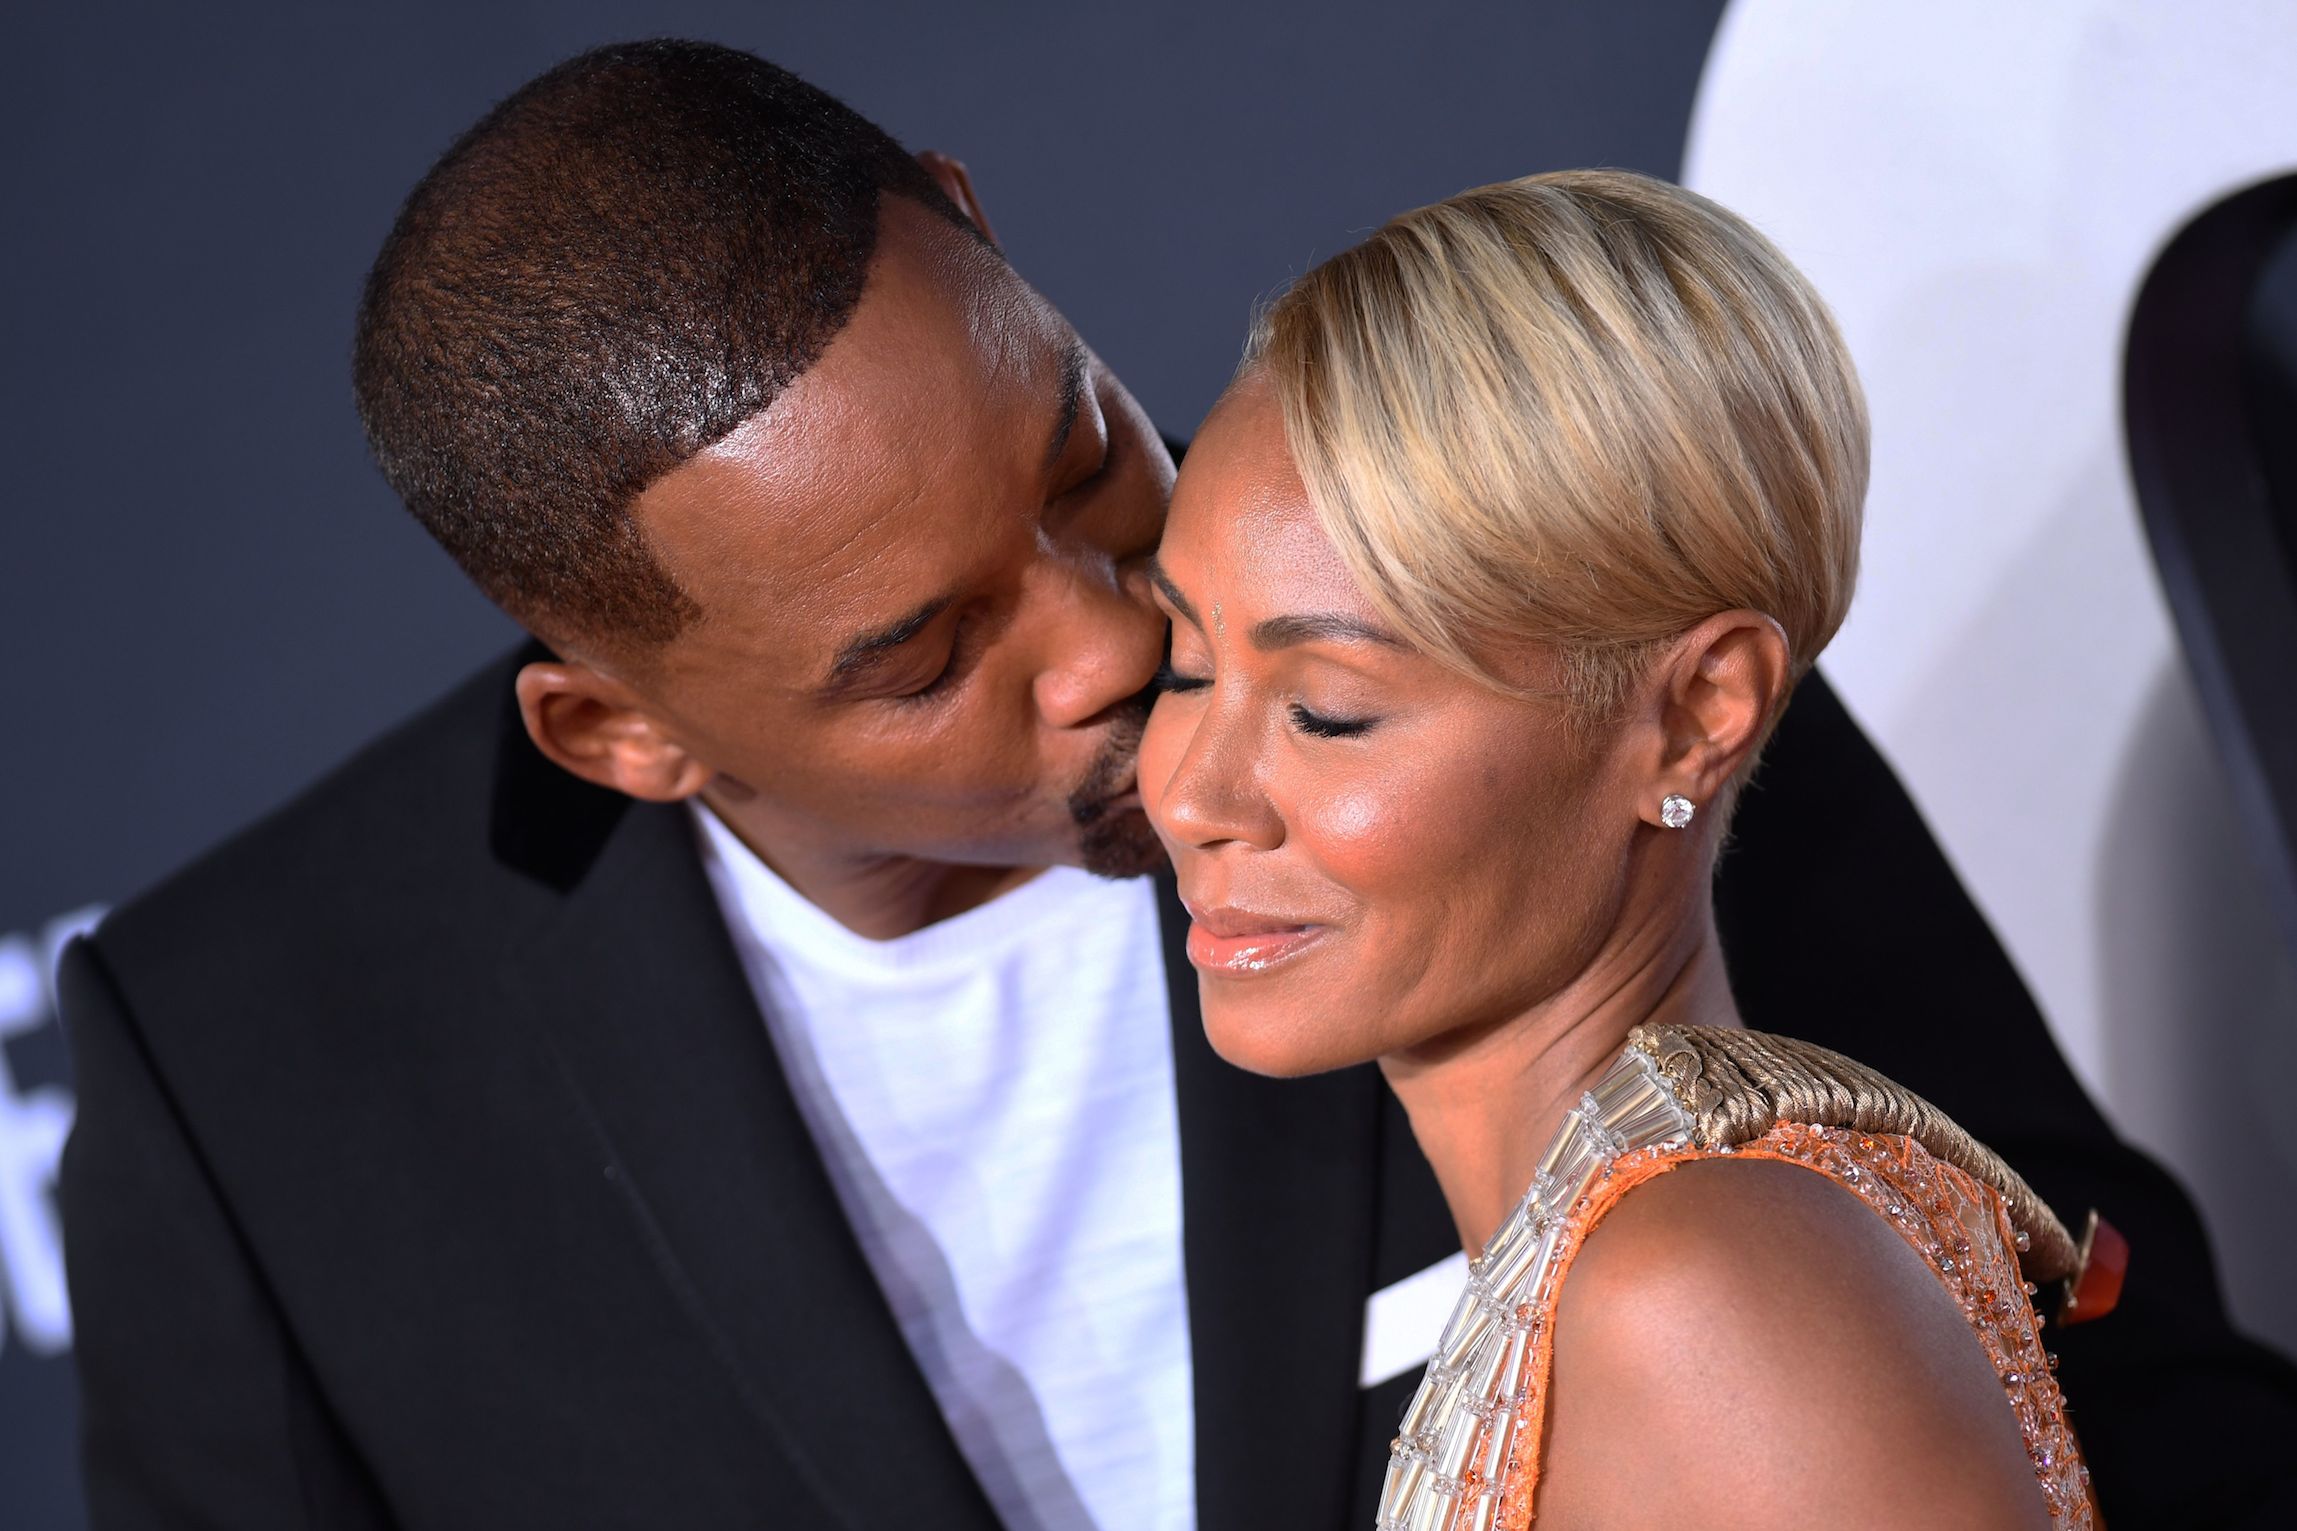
[[1213, 796]]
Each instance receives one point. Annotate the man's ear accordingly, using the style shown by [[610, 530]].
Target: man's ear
[[1720, 688], [594, 726], [950, 175]]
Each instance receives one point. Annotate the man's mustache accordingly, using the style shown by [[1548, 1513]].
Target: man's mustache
[[1111, 768]]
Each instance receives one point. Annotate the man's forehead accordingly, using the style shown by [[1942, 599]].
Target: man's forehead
[[943, 357], [928, 408]]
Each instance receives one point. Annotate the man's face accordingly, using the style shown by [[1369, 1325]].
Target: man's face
[[925, 631]]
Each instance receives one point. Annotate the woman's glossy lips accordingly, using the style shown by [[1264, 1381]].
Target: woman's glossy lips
[[1234, 941]]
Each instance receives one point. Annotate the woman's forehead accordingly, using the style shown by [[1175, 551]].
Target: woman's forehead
[[1242, 525]]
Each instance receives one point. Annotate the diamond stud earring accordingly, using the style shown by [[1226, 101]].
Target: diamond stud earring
[[1676, 811]]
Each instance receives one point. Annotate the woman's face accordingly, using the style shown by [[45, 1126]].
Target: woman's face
[[1381, 856]]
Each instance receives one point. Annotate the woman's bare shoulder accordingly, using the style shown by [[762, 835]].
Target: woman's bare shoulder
[[1743, 1338]]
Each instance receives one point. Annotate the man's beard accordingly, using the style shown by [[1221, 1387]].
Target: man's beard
[[1114, 842]]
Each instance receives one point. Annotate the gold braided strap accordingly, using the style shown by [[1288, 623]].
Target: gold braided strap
[[1738, 1084]]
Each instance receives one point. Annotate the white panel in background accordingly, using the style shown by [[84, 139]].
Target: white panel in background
[[1979, 189]]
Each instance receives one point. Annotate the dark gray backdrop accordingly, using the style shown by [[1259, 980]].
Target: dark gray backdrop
[[206, 593]]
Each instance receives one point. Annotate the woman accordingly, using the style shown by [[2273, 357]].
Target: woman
[[1488, 578]]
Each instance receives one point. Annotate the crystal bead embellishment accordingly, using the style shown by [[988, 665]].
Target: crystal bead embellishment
[[1446, 1463]]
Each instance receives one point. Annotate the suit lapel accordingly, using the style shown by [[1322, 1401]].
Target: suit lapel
[[1279, 1191], [637, 995]]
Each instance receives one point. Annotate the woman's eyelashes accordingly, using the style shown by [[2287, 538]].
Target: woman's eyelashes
[[1168, 680], [1324, 727], [1318, 725]]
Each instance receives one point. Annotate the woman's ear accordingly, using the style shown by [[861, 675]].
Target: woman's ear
[[951, 176], [1720, 690], [592, 725]]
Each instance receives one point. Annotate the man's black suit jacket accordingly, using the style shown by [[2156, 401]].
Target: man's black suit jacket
[[433, 1169]]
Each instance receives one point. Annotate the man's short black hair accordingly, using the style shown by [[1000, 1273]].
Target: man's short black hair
[[617, 266]]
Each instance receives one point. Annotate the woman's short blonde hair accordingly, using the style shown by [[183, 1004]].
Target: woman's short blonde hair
[[1586, 410]]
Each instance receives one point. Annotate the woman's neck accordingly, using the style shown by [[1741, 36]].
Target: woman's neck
[[1484, 1111]]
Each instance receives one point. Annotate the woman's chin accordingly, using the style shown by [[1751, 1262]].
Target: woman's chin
[[1270, 1039]]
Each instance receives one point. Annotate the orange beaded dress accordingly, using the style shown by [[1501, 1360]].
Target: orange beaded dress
[[1468, 1455]]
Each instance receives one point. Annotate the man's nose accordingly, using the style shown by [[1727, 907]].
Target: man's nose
[[1104, 648]]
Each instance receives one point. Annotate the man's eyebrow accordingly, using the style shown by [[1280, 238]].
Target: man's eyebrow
[[1072, 387], [1171, 592], [862, 655], [1320, 626]]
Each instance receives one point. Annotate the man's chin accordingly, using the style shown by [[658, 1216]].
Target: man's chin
[[1120, 844]]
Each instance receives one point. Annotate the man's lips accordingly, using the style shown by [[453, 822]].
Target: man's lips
[[1240, 941], [1126, 799]]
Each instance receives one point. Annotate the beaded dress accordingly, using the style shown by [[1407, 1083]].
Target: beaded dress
[[1468, 1455]]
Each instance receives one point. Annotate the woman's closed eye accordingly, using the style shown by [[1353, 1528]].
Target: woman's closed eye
[[1316, 724], [1168, 679], [1327, 727]]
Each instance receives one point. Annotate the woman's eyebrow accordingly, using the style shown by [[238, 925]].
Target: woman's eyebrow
[[1283, 632], [1171, 593], [1320, 626]]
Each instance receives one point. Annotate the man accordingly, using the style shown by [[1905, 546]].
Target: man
[[683, 1079]]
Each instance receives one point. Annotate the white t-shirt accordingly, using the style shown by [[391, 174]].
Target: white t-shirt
[[993, 1096]]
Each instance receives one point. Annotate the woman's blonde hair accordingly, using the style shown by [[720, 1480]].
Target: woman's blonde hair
[[1588, 410]]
